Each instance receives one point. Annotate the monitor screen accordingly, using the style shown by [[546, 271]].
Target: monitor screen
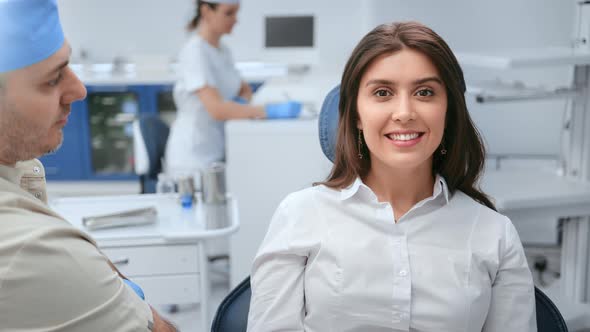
[[289, 31]]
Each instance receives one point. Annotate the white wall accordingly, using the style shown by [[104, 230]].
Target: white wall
[[107, 28]]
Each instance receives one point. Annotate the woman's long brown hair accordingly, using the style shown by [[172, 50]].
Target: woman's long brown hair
[[463, 163]]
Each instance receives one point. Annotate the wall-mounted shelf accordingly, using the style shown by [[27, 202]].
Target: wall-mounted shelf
[[540, 191], [496, 92], [525, 58]]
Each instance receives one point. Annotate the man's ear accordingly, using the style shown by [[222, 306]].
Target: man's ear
[[2, 81]]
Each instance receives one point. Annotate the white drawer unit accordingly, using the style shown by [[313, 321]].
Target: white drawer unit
[[154, 260], [170, 289], [166, 259]]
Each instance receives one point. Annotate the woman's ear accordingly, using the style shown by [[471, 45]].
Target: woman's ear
[[205, 10]]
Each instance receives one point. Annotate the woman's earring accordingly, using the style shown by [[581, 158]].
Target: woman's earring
[[443, 151], [360, 144]]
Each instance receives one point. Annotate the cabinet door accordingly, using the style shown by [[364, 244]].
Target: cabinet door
[[69, 162], [111, 111]]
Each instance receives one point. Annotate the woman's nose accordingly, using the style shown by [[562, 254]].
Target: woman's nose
[[402, 110]]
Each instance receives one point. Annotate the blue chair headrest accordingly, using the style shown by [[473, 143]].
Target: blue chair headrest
[[328, 122]]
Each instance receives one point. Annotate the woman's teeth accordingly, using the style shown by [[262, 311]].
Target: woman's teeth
[[403, 137]]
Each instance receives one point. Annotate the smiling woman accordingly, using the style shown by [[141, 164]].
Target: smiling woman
[[399, 237], [427, 59]]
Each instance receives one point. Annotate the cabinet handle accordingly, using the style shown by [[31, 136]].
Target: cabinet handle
[[121, 261]]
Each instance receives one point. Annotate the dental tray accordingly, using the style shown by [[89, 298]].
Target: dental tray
[[135, 217]]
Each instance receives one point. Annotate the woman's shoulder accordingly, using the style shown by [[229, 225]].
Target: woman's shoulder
[[310, 196], [224, 48], [485, 215], [193, 45]]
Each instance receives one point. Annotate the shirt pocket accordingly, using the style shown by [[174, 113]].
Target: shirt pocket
[[365, 295], [323, 287], [440, 288]]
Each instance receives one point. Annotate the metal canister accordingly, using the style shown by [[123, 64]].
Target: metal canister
[[216, 215], [213, 183]]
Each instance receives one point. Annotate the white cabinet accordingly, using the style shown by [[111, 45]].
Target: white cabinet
[[154, 260], [167, 274], [267, 160], [167, 258]]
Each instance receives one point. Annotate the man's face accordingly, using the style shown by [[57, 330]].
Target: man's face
[[35, 102]]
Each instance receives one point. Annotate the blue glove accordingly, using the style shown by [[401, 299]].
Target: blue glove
[[135, 287], [240, 100], [290, 109]]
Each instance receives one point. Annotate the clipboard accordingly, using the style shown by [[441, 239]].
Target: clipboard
[[135, 217]]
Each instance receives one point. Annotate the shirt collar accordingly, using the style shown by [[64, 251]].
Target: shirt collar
[[28, 175], [440, 187], [349, 191]]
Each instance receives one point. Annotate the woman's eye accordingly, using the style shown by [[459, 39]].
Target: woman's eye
[[382, 93], [425, 93]]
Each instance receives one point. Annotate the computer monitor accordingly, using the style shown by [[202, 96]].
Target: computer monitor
[[289, 31]]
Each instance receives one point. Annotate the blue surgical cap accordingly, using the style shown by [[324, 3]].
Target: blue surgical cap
[[30, 32]]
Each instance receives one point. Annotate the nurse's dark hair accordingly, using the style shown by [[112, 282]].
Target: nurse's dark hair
[[192, 25], [463, 163]]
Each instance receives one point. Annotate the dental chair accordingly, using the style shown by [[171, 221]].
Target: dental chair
[[150, 135], [232, 313]]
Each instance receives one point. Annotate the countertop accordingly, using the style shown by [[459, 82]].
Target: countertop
[[164, 73]]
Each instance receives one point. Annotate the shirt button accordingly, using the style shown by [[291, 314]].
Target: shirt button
[[403, 273], [36, 170]]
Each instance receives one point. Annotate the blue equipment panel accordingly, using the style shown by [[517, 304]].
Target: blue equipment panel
[[98, 139]]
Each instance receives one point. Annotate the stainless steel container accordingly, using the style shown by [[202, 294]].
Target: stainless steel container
[[213, 183], [217, 215]]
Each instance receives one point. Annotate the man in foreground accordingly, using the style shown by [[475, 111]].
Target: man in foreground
[[52, 276]]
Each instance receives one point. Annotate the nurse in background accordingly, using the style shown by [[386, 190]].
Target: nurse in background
[[209, 91]]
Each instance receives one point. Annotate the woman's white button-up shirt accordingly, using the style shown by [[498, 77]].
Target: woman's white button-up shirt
[[336, 260]]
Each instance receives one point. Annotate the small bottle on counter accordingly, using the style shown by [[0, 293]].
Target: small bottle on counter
[[165, 184], [186, 190]]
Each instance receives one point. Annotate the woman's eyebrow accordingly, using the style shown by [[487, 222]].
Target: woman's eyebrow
[[380, 81], [428, 79]]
